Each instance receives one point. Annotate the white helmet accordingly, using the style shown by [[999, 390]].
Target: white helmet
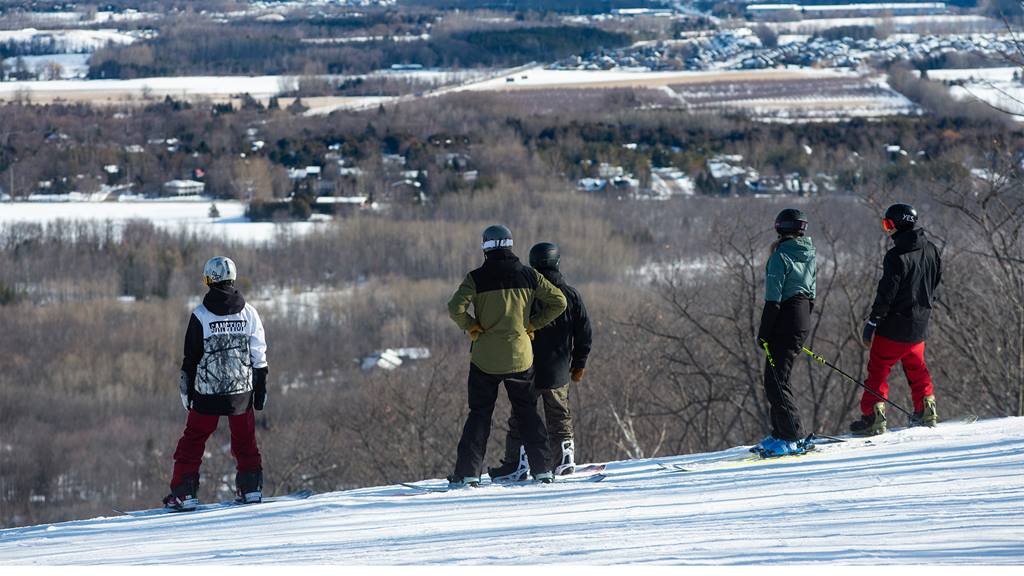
[[219, 269]]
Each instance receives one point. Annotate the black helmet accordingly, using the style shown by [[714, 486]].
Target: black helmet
[[900, 216], [544, 255], [496, 236], [791, 221]]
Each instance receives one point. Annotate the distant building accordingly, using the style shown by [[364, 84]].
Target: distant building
[[391, 358], [184, 188]]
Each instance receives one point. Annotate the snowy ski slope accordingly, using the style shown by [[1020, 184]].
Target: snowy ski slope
[[951, 495]]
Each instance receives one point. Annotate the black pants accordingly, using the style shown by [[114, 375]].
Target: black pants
[[483, 392], [788, 335]]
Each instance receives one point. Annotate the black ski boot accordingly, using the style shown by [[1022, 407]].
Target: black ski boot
[[456, 482], [515, 467], [183, 497], [249, 487]]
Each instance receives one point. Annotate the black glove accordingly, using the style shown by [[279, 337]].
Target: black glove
[[259, 387], [768, 315], [869, 333]]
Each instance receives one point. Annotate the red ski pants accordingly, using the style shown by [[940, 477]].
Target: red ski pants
[[885, 353], [189, 454]]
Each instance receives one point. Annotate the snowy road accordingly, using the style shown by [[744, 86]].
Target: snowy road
[[951, 495]]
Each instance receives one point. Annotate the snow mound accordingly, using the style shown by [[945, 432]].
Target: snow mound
[[949, 495]]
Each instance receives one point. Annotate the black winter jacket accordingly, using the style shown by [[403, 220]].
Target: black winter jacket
[[911, 272], [564, 343]]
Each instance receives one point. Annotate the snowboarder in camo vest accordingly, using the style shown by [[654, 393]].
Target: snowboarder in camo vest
[[502, 292], [224, 373], [790, 286], [560, 352], [898, 326]]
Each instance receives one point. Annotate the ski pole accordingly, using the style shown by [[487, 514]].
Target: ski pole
[[821, 360], [768, 353]]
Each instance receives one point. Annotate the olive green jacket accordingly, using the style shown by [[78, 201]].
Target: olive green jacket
[[502, 293]]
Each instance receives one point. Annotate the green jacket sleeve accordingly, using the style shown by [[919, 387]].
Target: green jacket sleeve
[[775, 277], [458, 304], [552, 302]]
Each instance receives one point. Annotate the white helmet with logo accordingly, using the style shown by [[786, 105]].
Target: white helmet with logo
[[219, 269]]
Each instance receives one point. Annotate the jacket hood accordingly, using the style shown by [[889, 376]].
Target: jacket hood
[[909, 240], [799, 249], [224, 301], [501, 263], [552, 275]]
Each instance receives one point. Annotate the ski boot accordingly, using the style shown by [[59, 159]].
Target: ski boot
[[515, 467], [568, 463], [456, 482], [759, 447], [870, 425], [776, 447], [927, 417], [183, 496], [544, 478], [249, 487]]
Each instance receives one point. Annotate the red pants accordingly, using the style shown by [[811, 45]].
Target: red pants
[[189, 454], [885, 353]]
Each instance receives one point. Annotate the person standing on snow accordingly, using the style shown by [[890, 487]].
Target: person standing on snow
[[790, 286], [502, 292], [560, 352], [898, 326], [224, 373]]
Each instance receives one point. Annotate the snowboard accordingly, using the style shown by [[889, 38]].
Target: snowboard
[[297, 495], [441, 489]]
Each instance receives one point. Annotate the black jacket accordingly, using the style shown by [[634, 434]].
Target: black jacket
[[563, 344], [911, 272]]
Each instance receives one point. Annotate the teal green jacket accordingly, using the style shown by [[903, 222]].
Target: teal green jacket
[[791, 270]]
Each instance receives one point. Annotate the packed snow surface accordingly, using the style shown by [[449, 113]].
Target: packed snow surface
[[949, 495]]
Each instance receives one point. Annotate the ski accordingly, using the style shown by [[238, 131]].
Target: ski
[[298, 495], [756, 459]]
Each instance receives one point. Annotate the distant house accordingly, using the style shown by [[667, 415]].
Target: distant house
[[303, 173], [184, 188], [391, 358], [591, 184]]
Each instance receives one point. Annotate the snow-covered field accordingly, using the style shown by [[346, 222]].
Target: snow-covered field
[[71, 65], [542, 78], [212, 86], [69, 40], [834, 96], [192, 216], [950, 495], [179, 86], [921, 23], [995, 86]]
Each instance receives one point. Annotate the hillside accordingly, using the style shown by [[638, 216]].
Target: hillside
[[951, 495]]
